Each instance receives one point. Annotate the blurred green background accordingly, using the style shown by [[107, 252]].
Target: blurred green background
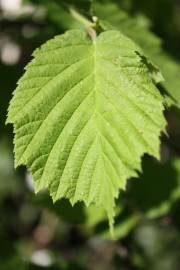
[[34, 233]]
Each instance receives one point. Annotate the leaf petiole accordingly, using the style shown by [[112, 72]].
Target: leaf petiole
[[90, 26]]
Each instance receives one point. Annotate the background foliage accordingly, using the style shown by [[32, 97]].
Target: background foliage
[[34, 233]]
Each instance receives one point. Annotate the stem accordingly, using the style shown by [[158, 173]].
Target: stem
[[80, 18], [89, 25]]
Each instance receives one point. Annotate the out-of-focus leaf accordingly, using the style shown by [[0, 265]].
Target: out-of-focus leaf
[[170, 69], [9, 181], [6, 248], [124, 224], [94, 215], [63, 208], [157, 189], [14, 263], [158, 246], [84, 6], [57, 15], [139, 30]]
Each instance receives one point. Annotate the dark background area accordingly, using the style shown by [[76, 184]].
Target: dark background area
[[34, 233]]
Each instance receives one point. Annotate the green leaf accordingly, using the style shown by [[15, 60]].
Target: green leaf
[[84, 113], [138, 28]]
